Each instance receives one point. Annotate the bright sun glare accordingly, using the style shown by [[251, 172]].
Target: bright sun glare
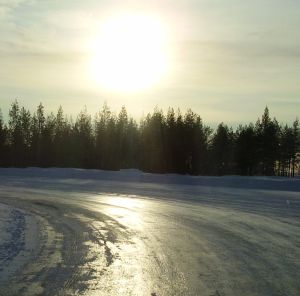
[[129, 53]]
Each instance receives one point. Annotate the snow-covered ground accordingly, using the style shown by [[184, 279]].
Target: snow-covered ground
[[88, 232]]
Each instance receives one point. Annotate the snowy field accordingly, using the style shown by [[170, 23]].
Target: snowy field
[[87, 232]]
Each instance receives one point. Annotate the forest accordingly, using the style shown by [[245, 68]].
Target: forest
[[169, 142]]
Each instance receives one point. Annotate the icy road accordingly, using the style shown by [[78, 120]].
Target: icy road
[[77, 232]]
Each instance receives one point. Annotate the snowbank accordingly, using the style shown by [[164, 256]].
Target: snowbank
[[136, 176]]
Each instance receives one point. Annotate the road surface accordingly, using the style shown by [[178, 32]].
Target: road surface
[[63, 233]]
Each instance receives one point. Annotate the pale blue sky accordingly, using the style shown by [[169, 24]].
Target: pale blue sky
[[230, 58]]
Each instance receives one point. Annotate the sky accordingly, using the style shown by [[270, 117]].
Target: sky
[[227, 59]]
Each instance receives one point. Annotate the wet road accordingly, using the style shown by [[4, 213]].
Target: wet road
[[188, 241]]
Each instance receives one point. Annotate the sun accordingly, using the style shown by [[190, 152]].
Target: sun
[[129, 53]]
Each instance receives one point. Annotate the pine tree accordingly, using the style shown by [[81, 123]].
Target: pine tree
[[222, 149], [171, 141], [3, 142], [296, 145], [153, 142], [246, 150], [161, 144], [16, 141], [47, 142], [61, 140], [268, 132], [122, 135], [83, 141], [106, 140]]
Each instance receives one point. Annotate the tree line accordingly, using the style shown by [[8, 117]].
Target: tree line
[[159, 143]]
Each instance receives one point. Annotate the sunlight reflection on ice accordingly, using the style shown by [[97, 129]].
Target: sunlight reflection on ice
[[127, 217], [125, 201]]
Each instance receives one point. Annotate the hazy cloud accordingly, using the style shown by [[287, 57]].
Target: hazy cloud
[[226, 54]]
